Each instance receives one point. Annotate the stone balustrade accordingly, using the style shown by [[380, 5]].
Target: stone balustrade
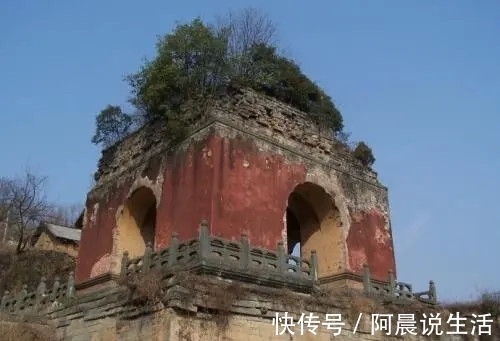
[[42, 297], [399, 292], [230, 259], [206, 254]]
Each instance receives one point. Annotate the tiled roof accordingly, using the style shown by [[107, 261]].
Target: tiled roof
[[64, 232]]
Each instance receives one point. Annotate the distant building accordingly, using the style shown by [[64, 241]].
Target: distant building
[[57, 238]]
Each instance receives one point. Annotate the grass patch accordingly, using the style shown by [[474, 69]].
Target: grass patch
[[29, 267], [486, 303], [145, 289]]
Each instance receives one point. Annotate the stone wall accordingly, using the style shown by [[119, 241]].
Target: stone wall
[[254, 113], [238, 169], [214, 289], [196, 308]]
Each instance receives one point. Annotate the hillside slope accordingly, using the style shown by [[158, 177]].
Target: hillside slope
[[29, 266]]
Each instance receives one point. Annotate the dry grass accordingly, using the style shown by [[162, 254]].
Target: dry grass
[[487, 303], [217, 298], [25, 332], [147, 289], [220, 297], [29, 267]]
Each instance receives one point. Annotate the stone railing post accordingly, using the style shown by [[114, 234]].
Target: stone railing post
[[41, 290], [70, 285], [314, 265], [146, 259], [124, 265], [367, 285], [282, 264], [432, 292], [5, 298], [204, 240], [391, 283], [244, 251], [55, 288], [21, 297], [173, 250]]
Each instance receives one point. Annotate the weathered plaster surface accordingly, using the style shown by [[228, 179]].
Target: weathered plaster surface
[[369, 241], [97, 235], [237, 172], [106, 315], [48, 242], [102, 266]]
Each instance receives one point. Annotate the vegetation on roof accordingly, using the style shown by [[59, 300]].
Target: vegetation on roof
[[198, 61]]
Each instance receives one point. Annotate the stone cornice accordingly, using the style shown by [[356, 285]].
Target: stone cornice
[[101, 279], [212, 121]]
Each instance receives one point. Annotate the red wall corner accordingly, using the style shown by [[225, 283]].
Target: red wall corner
[[369, 241]]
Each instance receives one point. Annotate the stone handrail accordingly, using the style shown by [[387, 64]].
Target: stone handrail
[[41, 297], [233, 258], [399, 291]]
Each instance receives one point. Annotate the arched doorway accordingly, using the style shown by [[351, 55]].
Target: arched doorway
[[137, 223], [313, 222]]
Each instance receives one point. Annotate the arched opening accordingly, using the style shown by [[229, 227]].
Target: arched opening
[[137, 223], [313, 223], [293, 232]]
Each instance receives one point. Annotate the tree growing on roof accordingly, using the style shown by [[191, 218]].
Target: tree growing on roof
[[112, 124], [197, 62], [364, 154]]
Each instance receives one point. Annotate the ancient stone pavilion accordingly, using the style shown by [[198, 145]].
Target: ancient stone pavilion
[[255, 167]]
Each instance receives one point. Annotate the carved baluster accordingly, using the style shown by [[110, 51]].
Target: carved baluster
[[282, 263], [314, 271], [391, 283], [367, 285], [173, 250], [146, 259], [314, 265], [410, 289], [55, 288], [244, 251], [5, 299], [70, 285], [124, 265], [41, 290], [21, 297], [204, 240], [432, 292]]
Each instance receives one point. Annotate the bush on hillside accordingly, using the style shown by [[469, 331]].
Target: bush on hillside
[[28, 268]]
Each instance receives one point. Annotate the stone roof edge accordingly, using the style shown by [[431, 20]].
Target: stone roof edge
[[218, 120]]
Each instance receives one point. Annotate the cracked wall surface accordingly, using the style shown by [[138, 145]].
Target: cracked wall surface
[[237, 169], [196, 310]]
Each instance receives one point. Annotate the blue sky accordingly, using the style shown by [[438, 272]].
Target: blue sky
[[418, 80]]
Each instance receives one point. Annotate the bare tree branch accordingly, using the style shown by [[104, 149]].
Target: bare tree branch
[[243, 31], [24, 204], [64, 215]]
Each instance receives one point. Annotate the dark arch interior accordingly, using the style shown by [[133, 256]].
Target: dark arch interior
[[293, 231], [304, 215], [148, 226], [142, 206], [313, 222]]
